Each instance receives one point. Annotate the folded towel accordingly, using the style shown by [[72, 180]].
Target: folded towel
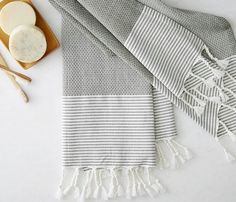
[[125, 62]]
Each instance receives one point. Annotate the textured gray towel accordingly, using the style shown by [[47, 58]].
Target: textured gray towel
[[124, 62]]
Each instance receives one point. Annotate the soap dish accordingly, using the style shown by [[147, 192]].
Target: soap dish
[[52, 41]]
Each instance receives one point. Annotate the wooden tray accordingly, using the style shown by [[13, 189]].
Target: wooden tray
[[52, 42]]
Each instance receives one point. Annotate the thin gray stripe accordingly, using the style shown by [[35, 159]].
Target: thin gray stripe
[[98, 130], [166, 55]]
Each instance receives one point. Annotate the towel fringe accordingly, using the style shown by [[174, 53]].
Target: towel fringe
[[230, 91], [229, 157], [221, 63], [100, 191], [88, 183], [232, 78], [211, 99], [162, 161], [212, 82], [199, 108], [179, 153], [232, 135]]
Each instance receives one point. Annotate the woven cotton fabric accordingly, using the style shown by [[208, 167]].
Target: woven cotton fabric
[[108, 108], [126, 63]]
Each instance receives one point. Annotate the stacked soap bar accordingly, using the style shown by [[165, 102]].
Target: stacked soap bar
[[27, 43]]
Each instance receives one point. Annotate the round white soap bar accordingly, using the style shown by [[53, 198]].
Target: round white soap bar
[[16, 13], [27, 43]]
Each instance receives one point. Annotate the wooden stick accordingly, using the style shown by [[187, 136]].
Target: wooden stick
[[14, 82], [14, 73]]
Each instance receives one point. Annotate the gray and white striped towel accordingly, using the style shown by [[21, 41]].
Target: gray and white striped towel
[[125, 62]]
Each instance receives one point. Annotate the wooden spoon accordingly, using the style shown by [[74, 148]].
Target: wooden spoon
[[14, 73]]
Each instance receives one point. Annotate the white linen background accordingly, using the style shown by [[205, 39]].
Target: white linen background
[[30, 139]]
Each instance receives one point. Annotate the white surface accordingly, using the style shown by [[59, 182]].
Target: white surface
[[30, 133]]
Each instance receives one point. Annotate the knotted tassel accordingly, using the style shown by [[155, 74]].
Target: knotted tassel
[[229, 157], [221, 63], [72, 185], [187, 154], [160, 187], [154, 187], [146, 187], [67, 190], [89, 186], [218, 73], [210, 83], [215, 99], [230, 91], [59, 194], [84, 193], [177, 158], [140, 189], [120, 190], [140, 185], [129, 186], [76, 192], [76, 186], [113, 191], [211, 99], [232, 78], [162, 162], [223, 96], [231, 134], [134, 185], [199, 110], [199, 101], [100, 191]]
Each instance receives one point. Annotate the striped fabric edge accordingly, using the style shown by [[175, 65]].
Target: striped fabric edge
[[226, 115], [148, 41], [108, 130], [214, 113], [119, 130], [108, 138], [164, 118], [168, 55]]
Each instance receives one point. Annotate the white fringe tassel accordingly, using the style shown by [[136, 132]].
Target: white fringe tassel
[[221, 63], [199, 108], [229, 157], [180, 154], [232, 135], [91, 183], [211, 82]]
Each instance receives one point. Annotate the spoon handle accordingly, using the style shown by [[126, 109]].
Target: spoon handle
[[14, 82], [18, 88], [14, 73]]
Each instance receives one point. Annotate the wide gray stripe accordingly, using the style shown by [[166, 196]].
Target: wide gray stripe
[[166, 54]]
